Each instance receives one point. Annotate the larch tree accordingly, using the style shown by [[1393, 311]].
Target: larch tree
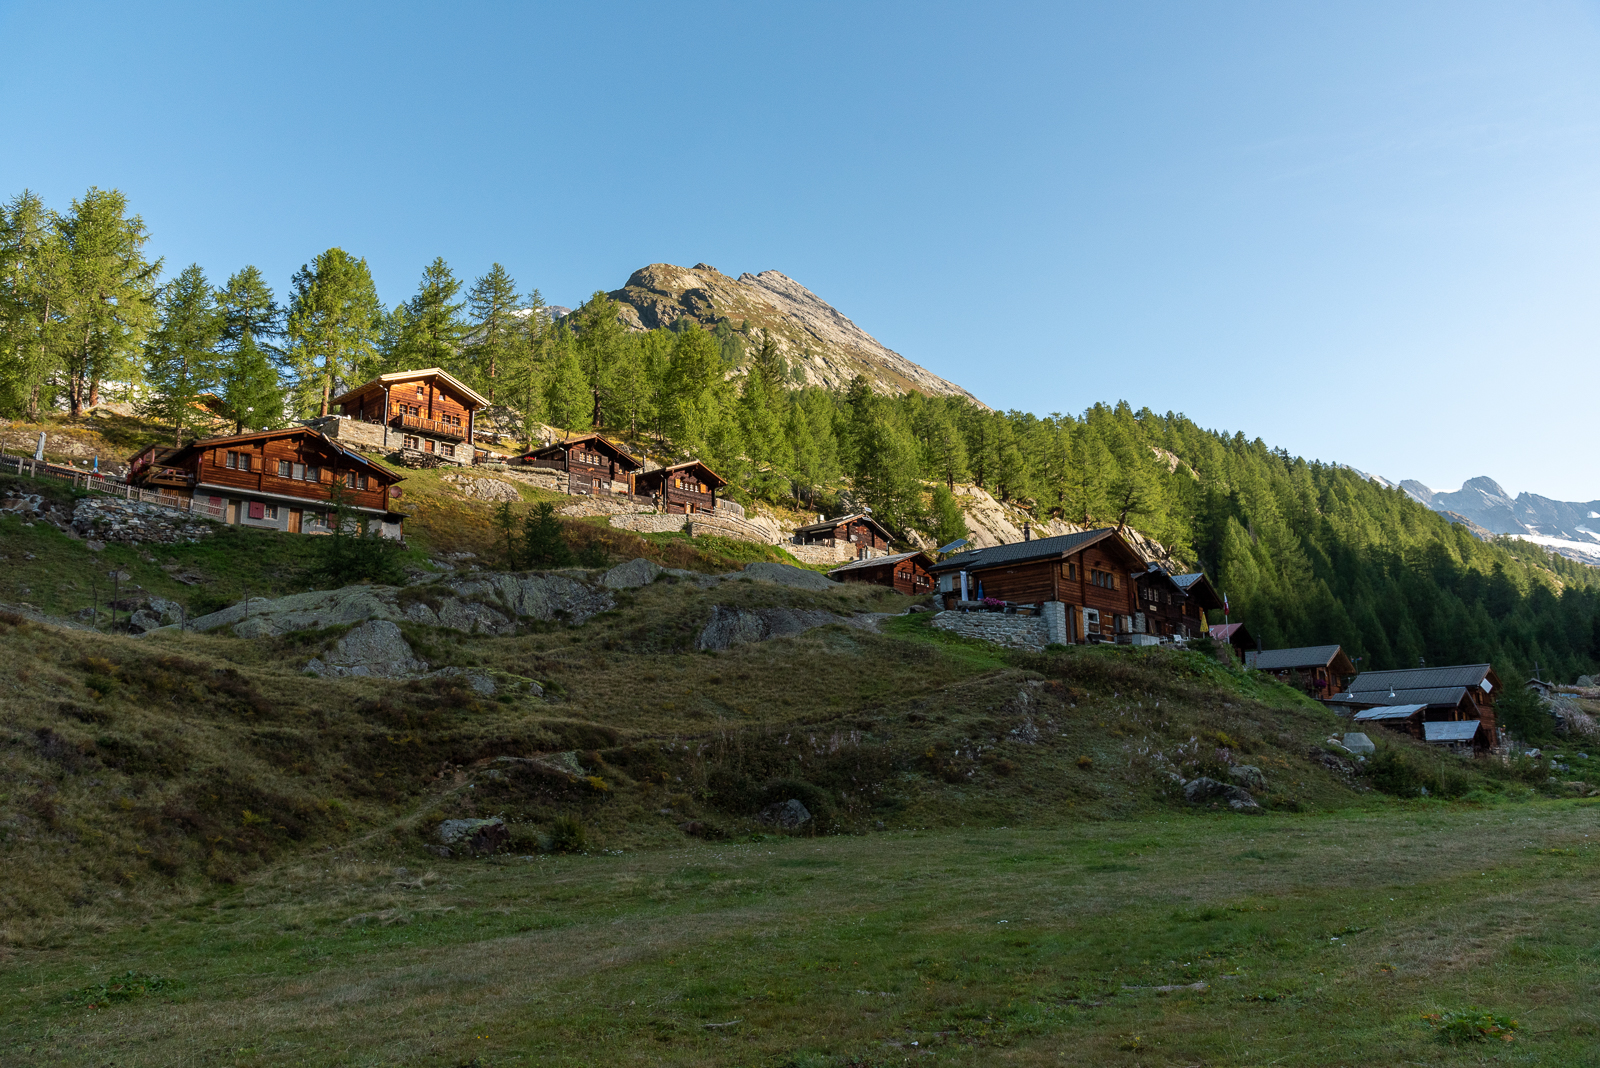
[[495, 319], [32, 300], [567, 394], [599, 337], [251, 389], [332, 323], [434, 330], [181, 353]]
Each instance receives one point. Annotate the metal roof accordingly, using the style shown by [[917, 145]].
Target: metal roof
[[880, 561], [409, 376], [1283, 659], [1461, 730], [1435, 697], [1226, 631], [1420, 678], [829, 524], [1185, 581], [1388, 712], [1021, 551]]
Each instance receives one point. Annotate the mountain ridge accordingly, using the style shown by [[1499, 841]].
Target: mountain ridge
[[1571, 528]]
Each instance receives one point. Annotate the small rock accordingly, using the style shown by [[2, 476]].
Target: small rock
[[788, 815], [1359, 743], [478, 836], [1248, 776], [1197, 791], [95, 546]]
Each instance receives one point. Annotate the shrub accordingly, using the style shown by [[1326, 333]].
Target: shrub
[[1471, 1025], [567, 835], [1393, 774]]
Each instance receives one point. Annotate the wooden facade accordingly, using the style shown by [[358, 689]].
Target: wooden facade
[[906, 572], [1454, 692], [1094, 574], [429, 412], [592, 464], [1166, 608], [686, 488], [1318, 670], [275, 479], [870, 537]]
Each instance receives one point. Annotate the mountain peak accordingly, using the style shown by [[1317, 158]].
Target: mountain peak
[[1488, 487], [823, 346]]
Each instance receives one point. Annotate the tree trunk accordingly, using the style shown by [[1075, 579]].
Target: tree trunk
[[94, 391]]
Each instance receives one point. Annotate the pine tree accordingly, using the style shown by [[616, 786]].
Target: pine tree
[[252, 392], [33, 259], [567, 396], [543, 547], [492, 305], [333, 321], [599, 338], [948, 520], [433, 330], [181, 353]]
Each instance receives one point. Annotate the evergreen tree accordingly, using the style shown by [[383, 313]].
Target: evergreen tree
[[333, 321], [543, 547], [251, 390], [493, 307], [948, 520], [568, 397], [33, 260], [433, 332], [885, 473], [181, 353], [599, 339]]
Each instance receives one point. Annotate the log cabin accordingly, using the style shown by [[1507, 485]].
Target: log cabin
[[906, 572], [1093, 573], [1319, 670], [1455, 728], [870, 537], [274, 480], [1451, 694], [1202, 595], [1167, 609], [593, 464], [686, 488], [427, 413]]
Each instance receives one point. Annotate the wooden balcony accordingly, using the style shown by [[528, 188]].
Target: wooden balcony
[[431, 427]]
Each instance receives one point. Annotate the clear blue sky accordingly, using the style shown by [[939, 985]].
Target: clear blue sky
[[1365, 232]]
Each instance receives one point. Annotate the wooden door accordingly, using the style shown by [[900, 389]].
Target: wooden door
[[294, 521]]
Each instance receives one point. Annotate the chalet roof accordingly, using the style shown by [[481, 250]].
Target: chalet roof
[[1197, 586], [1232, 633], [1461, 730], [853, 517], [1286, 659], [1388, 712], [1433, 697], [1041, 549], [268, 435], [883, 561], [598, 439], [1157, 574], [663, 472], [412, 376], [1422, 678]]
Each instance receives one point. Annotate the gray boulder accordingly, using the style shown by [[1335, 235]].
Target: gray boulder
[[475, 836], [786, 575], [482, 682], [374, 649], [1199, 791], [1359, 744], [1249, 776], [634, 573], [788, 815], [738, 626]]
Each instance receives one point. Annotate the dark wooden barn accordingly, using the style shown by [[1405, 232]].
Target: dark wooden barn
[[906, 572], [688, 487], [593, 464]]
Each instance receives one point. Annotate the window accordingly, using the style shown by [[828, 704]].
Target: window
[[233, 459], [271, 512], [410, 441], [284, 470], [298, 471], [1069, 571], [361, 481], [597, 483], [421, 390], [350, 480], [1103, 578], [1091, 621], [313, 474], [447, 450]]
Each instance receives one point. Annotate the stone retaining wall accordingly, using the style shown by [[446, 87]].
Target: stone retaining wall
[[1015, 632], [617, 504], [726, 526], [650, 524], [356, 433], [817, 555]]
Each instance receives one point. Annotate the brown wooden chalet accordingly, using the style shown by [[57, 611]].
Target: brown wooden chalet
[[688, 487], [274, 479], [592, 464], [906, 572], [1170, 608], [870, 537], [1094, 573], [1449, 694], [429, 412], [1319, 670]]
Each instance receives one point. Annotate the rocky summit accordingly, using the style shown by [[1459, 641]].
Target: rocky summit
[[822, 346]]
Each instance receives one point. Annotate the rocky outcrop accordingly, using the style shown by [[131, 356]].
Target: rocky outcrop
[[1202, 790], [478, 488], [631, 575], [822, 346], [484, 603], [787, 575], [374, 649], [743, 626]]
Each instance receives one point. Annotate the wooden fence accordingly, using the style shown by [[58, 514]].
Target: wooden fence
[[95, 482]]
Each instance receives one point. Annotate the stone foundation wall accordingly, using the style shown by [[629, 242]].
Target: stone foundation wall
[[650, 524], [353, 432], [1015, 632], [555, 481], [817, 555], [619, 504], [726, 526]]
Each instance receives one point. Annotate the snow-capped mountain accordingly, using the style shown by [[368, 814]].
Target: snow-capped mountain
[[1568, 527]]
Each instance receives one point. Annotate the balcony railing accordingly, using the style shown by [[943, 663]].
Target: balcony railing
[[431, 427]]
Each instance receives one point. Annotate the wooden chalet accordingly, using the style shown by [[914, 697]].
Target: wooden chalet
[[429, 412], [273, 479], [1202, 595], [689, 487], [870, 537], [1167, 608], [1464, 733], [593, 464], [1320, 670], [907, 572], [1235, 635], [1094, 573], [1449, 694]]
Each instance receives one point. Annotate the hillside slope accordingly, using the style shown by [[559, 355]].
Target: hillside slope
[[825, 347]]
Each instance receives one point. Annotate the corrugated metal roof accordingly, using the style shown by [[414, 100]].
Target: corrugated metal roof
[[877, 561], [1461, 730], [1283, 659], [1017, 552], [1437, 697], [1421, 678], [1388, 712]]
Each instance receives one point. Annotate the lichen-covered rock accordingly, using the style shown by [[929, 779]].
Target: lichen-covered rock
[[475, 836], [634, 573], [1198, 791], [1249, 776], [374, 649], [786, 575], [788, 815], [741, 626]]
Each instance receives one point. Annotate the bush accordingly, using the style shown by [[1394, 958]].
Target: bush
[[1393, 774], [567, 835]]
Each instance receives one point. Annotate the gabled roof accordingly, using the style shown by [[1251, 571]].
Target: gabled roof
[[1388, 712], [1433, 697], [882, 561], [411, 376], [268, 435], [853, 517], [1232, 633], [1460, 730], [1157, 575], [1307, 657], [1197, 586], [663, 472], [1041, 549], [597, 439], [1422, 678]]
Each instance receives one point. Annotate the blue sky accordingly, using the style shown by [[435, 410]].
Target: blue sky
[[1365, 232]]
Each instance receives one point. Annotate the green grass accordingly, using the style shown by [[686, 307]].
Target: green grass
[[1031, 946]]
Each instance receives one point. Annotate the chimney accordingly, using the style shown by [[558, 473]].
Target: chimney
[[1027, 530]]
